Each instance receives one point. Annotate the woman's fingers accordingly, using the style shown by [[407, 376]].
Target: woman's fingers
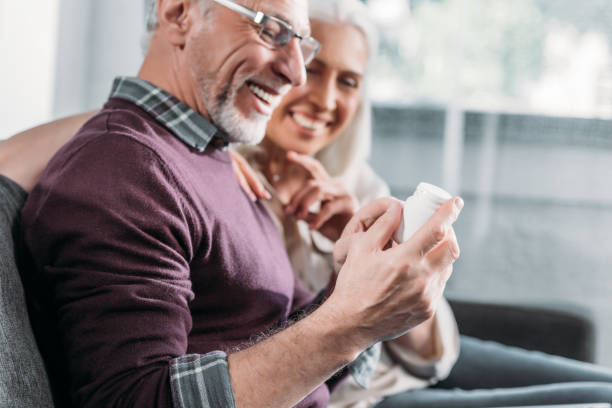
[[303, 199], [310, 164], [247, 177], [242, 181], [329, 209]]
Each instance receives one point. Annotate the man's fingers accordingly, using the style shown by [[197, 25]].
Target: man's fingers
[[367, 215], [436, 228], [383, 228], [360, 222], [443, 255]]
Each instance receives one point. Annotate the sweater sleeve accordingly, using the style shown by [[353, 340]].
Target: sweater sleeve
[[112, 241]]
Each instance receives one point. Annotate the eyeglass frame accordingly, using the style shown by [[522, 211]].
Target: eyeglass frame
[[261, 18]]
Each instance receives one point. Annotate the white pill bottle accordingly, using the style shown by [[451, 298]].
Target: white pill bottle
[[418, 208]]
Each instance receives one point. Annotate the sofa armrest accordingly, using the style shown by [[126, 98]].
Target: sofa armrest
[[561, 329]]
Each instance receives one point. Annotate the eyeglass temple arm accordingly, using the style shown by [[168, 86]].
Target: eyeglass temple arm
[[256, 16]]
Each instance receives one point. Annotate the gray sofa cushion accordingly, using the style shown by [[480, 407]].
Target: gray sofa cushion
[[23, 379], [565, 330]]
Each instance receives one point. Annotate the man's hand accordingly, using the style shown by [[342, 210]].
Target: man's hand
[[384, 289]]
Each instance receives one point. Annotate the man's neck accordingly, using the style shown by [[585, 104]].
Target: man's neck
[[162, 68]]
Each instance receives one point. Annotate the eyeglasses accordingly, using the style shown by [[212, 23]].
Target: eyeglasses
[[274, 31]]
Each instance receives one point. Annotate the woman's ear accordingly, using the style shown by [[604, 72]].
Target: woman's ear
[[174, 19]]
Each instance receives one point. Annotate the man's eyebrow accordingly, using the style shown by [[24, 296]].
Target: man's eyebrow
[[306, 33]]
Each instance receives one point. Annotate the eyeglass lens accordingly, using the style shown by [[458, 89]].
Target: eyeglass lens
[[277, 34]]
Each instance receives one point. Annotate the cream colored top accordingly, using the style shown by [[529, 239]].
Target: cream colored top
[[310, 254]]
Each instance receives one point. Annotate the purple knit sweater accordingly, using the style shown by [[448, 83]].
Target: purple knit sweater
[[149, 250]]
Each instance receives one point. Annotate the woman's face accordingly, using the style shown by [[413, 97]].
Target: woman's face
[[311, 116]]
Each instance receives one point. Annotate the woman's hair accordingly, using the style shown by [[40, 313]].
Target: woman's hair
[[343, 157]]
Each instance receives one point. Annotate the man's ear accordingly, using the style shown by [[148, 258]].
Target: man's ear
[[174, 20]]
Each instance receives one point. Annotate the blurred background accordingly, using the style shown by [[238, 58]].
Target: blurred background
[[506, 103]]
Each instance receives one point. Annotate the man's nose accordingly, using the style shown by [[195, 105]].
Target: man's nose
[[290, 63]]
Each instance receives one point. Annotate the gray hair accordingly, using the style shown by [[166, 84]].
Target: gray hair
[[344, 156], [351, 12], [150, 8]]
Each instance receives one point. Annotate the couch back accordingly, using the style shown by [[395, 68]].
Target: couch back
[[23, 379]]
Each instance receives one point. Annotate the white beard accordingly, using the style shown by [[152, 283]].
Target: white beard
[[240, 129], [225, 116]]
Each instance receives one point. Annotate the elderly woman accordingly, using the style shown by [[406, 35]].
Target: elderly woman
[[311, 169]]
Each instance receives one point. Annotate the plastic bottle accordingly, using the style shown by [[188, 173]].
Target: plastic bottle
[[418, 208]]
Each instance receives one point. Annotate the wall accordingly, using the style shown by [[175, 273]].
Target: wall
[[28, 44], [98, 40], [538, 214], [60, 56]]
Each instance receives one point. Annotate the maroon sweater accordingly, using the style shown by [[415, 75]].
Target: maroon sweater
[[149, 250]]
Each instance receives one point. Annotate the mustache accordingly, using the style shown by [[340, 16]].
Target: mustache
[[277, 84]]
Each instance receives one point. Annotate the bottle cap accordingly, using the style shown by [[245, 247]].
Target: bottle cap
[[433, 193]]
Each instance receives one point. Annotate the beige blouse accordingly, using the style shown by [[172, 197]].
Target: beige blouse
[[311, 253]]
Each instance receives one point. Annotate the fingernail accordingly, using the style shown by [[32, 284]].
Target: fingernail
[[458, 203], [392, 207], [267, 195]]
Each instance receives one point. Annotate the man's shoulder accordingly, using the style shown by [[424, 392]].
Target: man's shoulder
[[119, 127], [115, 153], [119, 117]]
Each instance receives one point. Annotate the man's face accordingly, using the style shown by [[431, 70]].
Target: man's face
[[240, 79]]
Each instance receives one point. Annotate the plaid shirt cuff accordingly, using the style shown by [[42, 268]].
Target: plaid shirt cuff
[[363, 366], [201, 381]]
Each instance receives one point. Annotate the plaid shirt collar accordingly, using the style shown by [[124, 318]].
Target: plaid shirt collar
[[186, 124]]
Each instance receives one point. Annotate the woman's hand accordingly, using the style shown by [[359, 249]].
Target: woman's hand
[[247, 177], [337, 204], [422, 340]]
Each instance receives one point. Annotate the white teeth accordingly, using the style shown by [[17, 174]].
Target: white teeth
[[307, 122], [261, 94]]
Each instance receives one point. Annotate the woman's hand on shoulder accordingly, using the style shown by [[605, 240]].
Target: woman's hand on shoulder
[[337, 205], [247, 177]]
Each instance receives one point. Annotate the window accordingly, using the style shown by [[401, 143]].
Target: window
[[533, 56], [509, 104]]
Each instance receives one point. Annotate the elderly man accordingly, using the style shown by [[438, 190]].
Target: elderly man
[[156, 272]]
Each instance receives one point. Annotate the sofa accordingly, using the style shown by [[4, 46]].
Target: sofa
[[24, 381]]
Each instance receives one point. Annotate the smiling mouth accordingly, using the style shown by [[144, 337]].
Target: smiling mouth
[[307, 122], [261, 94]]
